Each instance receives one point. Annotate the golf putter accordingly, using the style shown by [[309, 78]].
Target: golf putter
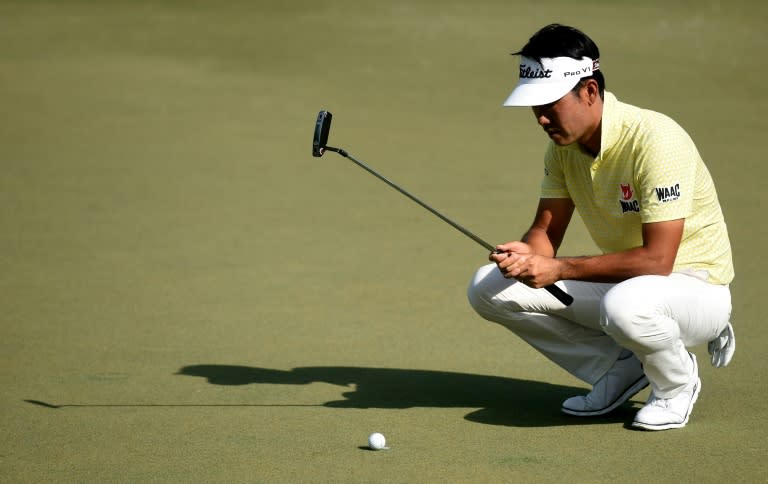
[[320, 146]]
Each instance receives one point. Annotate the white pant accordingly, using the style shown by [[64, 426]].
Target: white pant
[[655, 317]]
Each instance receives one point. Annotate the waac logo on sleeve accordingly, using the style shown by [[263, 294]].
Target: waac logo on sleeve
[[668, 194], [627, 201]]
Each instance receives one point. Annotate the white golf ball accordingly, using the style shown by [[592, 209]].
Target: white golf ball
[[376, 441]]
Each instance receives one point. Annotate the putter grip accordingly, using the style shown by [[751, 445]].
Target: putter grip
[[561, 295]]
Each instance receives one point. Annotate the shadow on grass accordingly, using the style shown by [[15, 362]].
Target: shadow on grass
[[500, 400]]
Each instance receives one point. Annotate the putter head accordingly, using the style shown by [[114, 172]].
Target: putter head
[[322, 128]]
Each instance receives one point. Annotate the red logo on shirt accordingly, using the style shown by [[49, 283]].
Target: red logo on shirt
[[627, 202], [626, 191]]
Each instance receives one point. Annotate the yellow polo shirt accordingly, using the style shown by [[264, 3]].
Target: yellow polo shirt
[[648, 170]]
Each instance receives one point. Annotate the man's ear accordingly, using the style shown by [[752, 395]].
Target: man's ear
[[592, 91]]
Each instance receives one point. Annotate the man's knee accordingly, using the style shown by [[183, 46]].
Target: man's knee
[[495, 298], [480, 291]]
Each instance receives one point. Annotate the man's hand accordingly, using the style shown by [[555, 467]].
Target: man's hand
[[517, 260]]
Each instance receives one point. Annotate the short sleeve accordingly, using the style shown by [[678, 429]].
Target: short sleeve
[[666, 173]]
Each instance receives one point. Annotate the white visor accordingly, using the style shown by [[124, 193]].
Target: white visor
[[547, 81]]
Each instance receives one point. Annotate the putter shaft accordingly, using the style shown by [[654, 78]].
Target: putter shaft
[[400, 189], [561, 295]]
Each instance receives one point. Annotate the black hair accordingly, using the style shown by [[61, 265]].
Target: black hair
[[556, 40]]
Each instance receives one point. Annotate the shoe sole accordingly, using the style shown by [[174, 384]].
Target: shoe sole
[[676, 425], [630, 392]]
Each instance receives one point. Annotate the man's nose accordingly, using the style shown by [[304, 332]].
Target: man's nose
[[541, 117]]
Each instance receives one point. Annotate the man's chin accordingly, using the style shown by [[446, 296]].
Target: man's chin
[[560, 140]]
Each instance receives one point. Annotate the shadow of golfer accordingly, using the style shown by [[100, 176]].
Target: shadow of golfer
[[501, 400]]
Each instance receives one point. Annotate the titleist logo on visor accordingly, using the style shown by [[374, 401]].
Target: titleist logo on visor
[[559, 67], [527, 72]]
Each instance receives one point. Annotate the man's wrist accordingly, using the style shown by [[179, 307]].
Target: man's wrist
[[565, 268]]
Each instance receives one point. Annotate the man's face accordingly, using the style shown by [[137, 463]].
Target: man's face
[[567, 120]]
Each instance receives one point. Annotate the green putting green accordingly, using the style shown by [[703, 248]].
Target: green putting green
[[187, 295]]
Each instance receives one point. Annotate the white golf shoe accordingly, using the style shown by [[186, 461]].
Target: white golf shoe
[[622, 382], [670, 413]]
